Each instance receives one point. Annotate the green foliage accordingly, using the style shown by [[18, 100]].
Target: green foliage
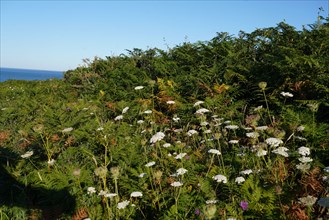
[[94, 129]]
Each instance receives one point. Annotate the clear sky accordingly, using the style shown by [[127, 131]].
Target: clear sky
[[57, 35]]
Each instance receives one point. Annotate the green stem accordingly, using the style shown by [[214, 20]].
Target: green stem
[[268, 109]]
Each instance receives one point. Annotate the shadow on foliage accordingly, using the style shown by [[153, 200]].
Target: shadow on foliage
[[52, 203]]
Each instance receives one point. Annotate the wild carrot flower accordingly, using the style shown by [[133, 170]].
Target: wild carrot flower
[[118, 118], [204, 123], [91, 190], [147, 111], [274, 142], [102, 193], [261, 153], [246, 172], [303, 166], [261, 128], [176, 184], [198, 103], [212, 201], [125, 110], [27, 154], [141, 175], [100, 129], [231, 127], [214, 151], [150, 164], [136, 194], [51, 162], [304, 159], [233, 141], [281, 151], [122, 205], [180, 156], [240, 180], [286, 94], [139, 87], [181, 171], [175, 119], [201, 111], [65, 130], [166, 145], [300, 128], [252, 134], [220, 178], [110, 195], [170, 102], [157, 137], [140, 122], [192, 132], [304, 151]]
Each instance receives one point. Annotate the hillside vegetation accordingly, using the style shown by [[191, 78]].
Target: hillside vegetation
[[230, 128]]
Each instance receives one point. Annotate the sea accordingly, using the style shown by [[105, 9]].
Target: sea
[[28, 74]]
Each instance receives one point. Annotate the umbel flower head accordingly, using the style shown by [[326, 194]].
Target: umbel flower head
[[273, 142], [122, 205], [27, 154], [304, 151], [176, 184], [220, 178], [286, 94], [214, 151], [136, 194], [157, 137], [281, 151]]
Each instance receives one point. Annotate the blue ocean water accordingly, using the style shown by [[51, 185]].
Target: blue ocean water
[[28, 74]]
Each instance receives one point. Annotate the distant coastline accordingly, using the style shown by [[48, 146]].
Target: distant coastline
[[28, 74]]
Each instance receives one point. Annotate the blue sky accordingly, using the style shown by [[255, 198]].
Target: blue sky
[[57, 35]]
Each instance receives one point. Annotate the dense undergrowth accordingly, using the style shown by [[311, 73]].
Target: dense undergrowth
[[231, 128]]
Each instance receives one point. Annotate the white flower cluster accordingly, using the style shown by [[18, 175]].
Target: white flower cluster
[[252, 134], [27, 154], [240, 179], [180, 156], [273, 142], [192, 132], [150, 164], [214, 151], [304, 159], [246, 172], [65, 130], [176, 184], [283, 151], [286, 94], [220, 178], [157, 137], [198, 103], [122, 205], [136, 194], [231, 127], [139, 87], [118, 118], [181, 171], [202, 111]]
